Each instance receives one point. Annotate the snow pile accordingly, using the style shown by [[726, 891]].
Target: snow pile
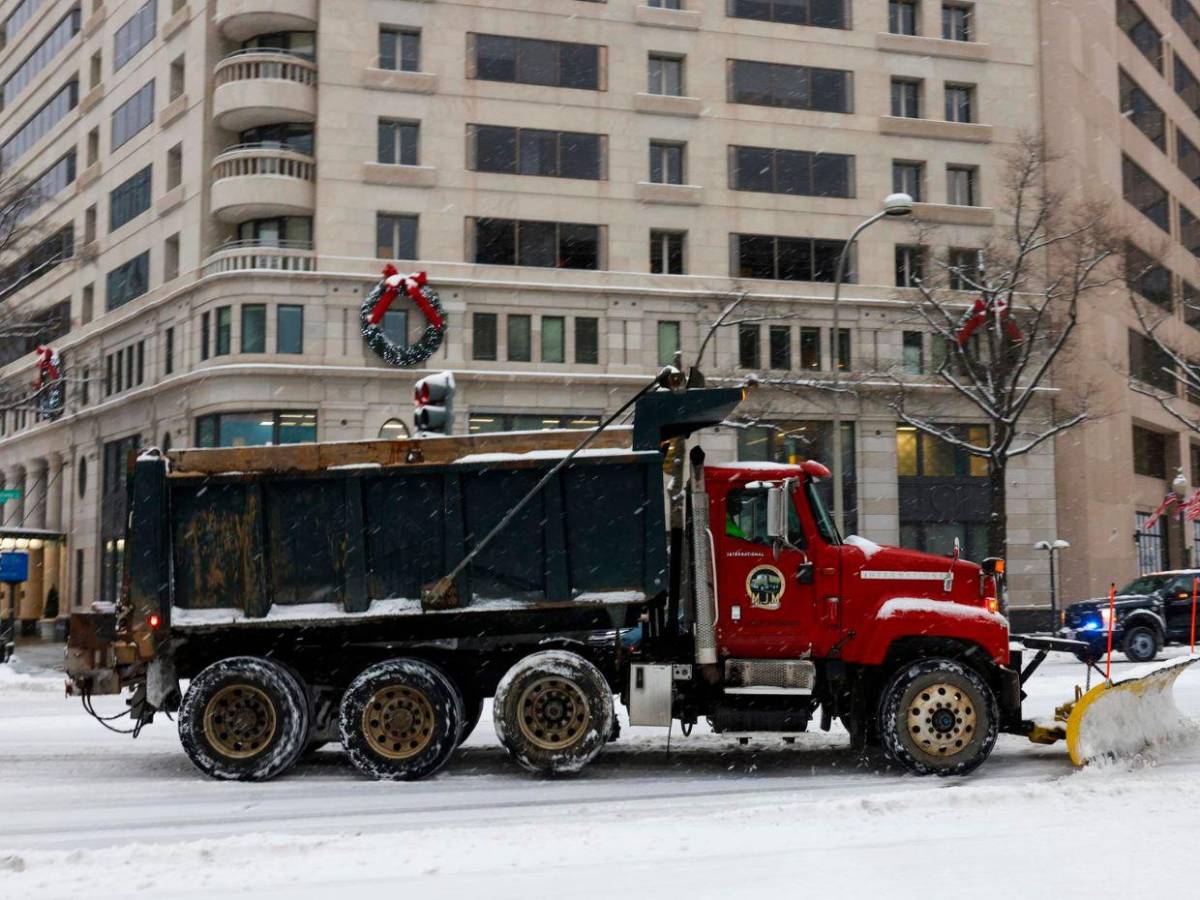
[[868, 548], [898, 606], [12, 680]]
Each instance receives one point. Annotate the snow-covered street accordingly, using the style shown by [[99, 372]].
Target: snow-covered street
[[84, 812]]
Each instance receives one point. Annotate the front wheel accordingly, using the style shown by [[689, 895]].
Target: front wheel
[[553, 712], [1140, 644], [938, 717], [244, 719]]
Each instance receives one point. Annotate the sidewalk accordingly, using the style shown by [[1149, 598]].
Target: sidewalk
[[33, 655]]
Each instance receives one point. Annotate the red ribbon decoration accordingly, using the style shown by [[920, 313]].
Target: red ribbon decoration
[[47, 366], [412, 286], [977, 315]]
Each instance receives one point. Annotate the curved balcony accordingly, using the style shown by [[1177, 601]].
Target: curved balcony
[[242, 19], [261, 87], [260, 256], [258, 181]]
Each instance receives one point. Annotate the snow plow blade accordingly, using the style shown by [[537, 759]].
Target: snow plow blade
[[1121, 718]]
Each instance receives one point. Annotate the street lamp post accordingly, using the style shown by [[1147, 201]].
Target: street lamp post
[[894, 205], [1052, 547], [1180, 487]]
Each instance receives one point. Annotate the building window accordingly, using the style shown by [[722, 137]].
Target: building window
[[289, 328], [818, 13], [490, 422], [129, 199], [909, 178], [1187, 16], [178, 77], [1145, 276], [400, 49], [39, 124], [960, 186], [224, 331], [554, 339], [532, 151], [587, 340], [779, 348], [810, 348], [399, 142], [913, 353], [956, 22], [665, 4], [1145, 194], [1149, 453], [44, 187], [1138, 29], [788, 258], [169, 351], [902, 16], [135, 34], [665, 75], [251, 429], [561, 245], [1189, 230], [395, 326], [1189, 298], [205, 335], [960, 103], [1186, 86], [483, 330], [133, 115], [395, 236], [842, 348], [921, 455], [666, 252], [797, 172], [1149, 541], [519, 344], [666, 162], [175, 166], [962, 268], [39, 58], [791, 87], [531, 61], [1150, 364], [910, 265], [254, 328], [668, 342], [906, 98], [749, 349], [128, 280]]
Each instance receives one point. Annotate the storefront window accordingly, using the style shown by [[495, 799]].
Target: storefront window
[[248, 429]]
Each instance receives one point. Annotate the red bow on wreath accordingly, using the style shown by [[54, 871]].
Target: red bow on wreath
[[977, 315], [47, 366], [412, 285]]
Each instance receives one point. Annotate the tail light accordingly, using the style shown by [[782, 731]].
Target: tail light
[[154, 620]]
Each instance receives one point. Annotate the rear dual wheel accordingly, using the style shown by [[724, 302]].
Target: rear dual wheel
[[938, 717], [401, 719]]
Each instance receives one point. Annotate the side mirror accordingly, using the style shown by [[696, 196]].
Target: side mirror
[[777, 518]]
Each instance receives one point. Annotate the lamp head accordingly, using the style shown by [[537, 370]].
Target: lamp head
[[898, 205]]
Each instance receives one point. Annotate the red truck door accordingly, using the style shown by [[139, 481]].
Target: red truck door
[[766, 603]]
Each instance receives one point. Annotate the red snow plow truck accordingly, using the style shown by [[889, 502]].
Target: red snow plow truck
[[375, 593]]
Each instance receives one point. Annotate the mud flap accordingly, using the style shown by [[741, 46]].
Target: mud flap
[[1123, 717]]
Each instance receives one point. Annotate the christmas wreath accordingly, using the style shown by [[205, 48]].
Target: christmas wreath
[[376, 303]]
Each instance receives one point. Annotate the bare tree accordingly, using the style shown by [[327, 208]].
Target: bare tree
[[1159, 368], [1004, 317]]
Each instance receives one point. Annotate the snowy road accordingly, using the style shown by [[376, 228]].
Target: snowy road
[[87, 813]]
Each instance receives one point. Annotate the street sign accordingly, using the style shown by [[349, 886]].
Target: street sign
[[10, 494], [14, 567]]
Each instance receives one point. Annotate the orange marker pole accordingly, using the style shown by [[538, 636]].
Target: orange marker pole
[[1195, 588], [1112, 621]]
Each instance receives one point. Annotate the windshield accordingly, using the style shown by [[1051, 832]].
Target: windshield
[[1147, 584], [825, 525]]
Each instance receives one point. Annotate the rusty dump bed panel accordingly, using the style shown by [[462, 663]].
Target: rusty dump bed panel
[[261, 538]]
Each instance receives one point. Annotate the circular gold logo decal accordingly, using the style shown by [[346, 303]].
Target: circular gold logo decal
[[764, 586]]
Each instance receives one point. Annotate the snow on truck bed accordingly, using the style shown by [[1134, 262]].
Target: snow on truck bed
[[395, 606]]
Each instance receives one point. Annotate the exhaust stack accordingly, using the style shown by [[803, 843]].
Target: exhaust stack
[[702, 570]]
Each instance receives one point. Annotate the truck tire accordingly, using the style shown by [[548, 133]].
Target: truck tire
[[1141, 644], [938, 717], [244, 719], [553, 712], [400, 720]]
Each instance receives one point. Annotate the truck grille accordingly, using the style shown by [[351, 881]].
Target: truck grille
[[786, 674]]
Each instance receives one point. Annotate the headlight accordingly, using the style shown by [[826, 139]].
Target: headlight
[[1105, 615]]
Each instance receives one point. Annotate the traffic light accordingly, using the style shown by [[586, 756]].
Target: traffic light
[[433, 399]]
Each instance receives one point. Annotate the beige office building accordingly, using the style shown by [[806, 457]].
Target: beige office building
[[587, 183], [1121, 102]]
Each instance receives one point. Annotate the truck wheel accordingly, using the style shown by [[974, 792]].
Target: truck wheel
[[553, 712], [938, 717], [244, 719], [1140, 644], [400, 720]]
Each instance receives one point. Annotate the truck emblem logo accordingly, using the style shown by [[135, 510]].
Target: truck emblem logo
[[764, 586]]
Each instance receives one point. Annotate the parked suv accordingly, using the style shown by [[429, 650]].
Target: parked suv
[[1151, 611]]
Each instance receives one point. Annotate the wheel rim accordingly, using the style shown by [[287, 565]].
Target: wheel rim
[[1143, 644], [554, 713], [239, 721], [941, 720], [398, 722]]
